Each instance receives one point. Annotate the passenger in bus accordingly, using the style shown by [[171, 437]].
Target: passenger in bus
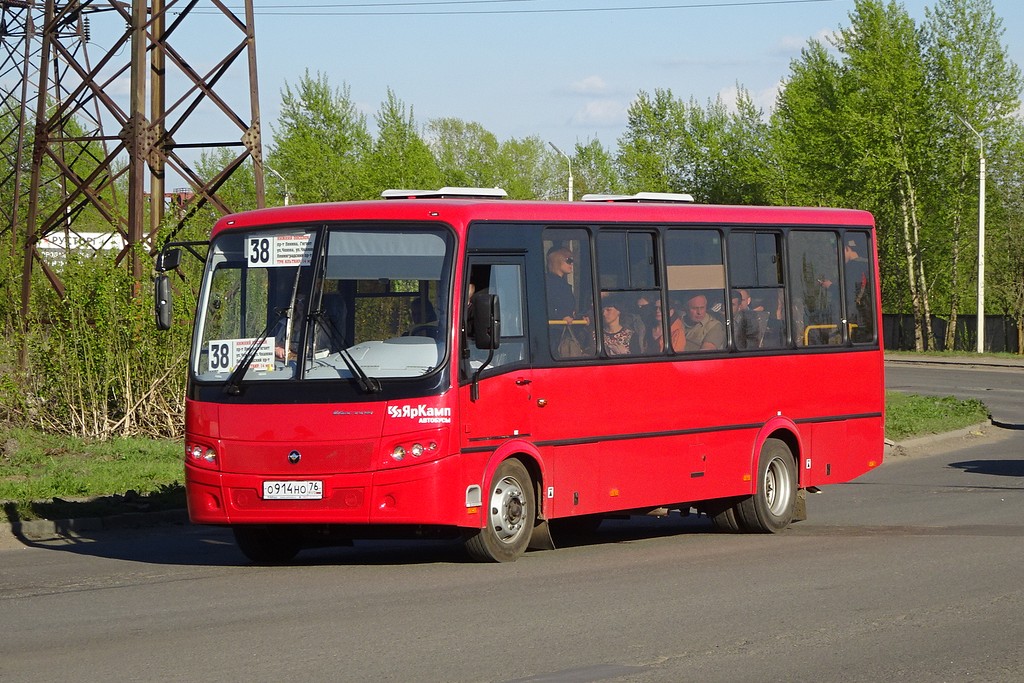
[[640, 317], [332, 322], [858, 292], [288, 330], [773, 334], [746, 333], [703, 332], [561, 300], [677, 335], [619, 340], [424, 319]]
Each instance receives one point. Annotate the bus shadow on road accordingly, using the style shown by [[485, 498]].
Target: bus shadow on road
[[169, 545], [630, 529], [1001, 468], [212, 546]]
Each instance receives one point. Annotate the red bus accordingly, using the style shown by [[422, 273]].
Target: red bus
[[451, 361]]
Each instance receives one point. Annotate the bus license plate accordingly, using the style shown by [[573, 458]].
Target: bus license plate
[[293, 490]]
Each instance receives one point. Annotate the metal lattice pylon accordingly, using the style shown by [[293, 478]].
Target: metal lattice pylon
[[94, 147], [18, 51]]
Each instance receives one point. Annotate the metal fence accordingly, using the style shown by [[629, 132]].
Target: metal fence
[[1001, 333]]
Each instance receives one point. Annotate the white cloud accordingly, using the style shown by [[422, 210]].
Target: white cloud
[[792, 44], [601, 113], [591, 85]]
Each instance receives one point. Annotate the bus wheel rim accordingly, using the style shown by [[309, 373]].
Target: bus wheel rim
[[776, 486], [507, 509]]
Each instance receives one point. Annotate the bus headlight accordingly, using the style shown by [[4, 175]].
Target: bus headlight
[[411, 447], [198, 454]]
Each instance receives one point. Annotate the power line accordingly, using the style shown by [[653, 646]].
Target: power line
[[351, 9]]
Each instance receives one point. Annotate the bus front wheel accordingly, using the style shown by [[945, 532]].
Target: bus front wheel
[[770, 509], [511, 512]]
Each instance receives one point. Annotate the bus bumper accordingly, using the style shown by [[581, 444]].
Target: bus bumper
[[425, 494]]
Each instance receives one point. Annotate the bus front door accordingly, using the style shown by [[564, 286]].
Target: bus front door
[[502, 407]]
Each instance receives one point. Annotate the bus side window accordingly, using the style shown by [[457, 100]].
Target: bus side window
[[626, 271], [860, 288], [505, 280], [696, 284], [815, 287], [757, 300], [568, 292]]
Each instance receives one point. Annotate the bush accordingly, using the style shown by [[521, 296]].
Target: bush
[[96, 365]]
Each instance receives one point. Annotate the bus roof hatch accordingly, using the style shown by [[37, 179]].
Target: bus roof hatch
[[671, 197], [447, 193]]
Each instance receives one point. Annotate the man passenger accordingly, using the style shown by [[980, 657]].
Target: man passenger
[[745, 330], [703, 332]]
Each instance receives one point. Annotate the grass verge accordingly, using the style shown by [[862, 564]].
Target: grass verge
[[43, 476], [909, 415]]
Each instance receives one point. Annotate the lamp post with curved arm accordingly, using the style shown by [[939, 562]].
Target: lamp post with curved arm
[[568, 161], [981, 235], [287, 194]]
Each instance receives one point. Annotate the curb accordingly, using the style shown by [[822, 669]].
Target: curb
[[966, 361], [920, 444], [20, 534]]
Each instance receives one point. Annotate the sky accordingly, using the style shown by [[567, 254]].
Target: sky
[[563, 70], [567, 77]]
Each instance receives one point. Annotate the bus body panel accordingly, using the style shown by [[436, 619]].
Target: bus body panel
[[255, 442], [599, 436], [616, 439], [424, 494]]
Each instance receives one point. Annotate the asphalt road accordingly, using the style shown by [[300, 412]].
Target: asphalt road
[[915, 572], [999, 383]]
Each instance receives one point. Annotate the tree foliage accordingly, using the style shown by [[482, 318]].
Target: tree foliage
[[400, 158], [321, 142], [888, 115]]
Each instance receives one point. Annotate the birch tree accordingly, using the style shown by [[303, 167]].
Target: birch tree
[[973, 85]]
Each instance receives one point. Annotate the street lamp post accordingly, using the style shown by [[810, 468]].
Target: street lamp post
[[287, 195], [568, 161], [981, 236]]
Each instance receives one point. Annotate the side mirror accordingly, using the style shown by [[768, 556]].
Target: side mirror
[[162, 300], [486, 321], [168, 259]]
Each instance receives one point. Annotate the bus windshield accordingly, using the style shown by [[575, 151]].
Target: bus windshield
[[321, 304]]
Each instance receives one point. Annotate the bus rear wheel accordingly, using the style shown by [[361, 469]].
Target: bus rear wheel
[[770, 509], [725, 517], [511, 513], [275, 544]]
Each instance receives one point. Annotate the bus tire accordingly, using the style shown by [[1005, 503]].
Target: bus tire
[[770, 509], [726, 519], [511, 513], [275, 544]]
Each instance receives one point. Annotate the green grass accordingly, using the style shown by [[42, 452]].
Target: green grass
[[909, 415], [55, 477], [52, 477]]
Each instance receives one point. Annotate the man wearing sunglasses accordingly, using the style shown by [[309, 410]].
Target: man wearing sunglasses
[[561, 301]]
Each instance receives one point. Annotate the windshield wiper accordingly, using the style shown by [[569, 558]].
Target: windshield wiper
[[233, 384], [370, 385]]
